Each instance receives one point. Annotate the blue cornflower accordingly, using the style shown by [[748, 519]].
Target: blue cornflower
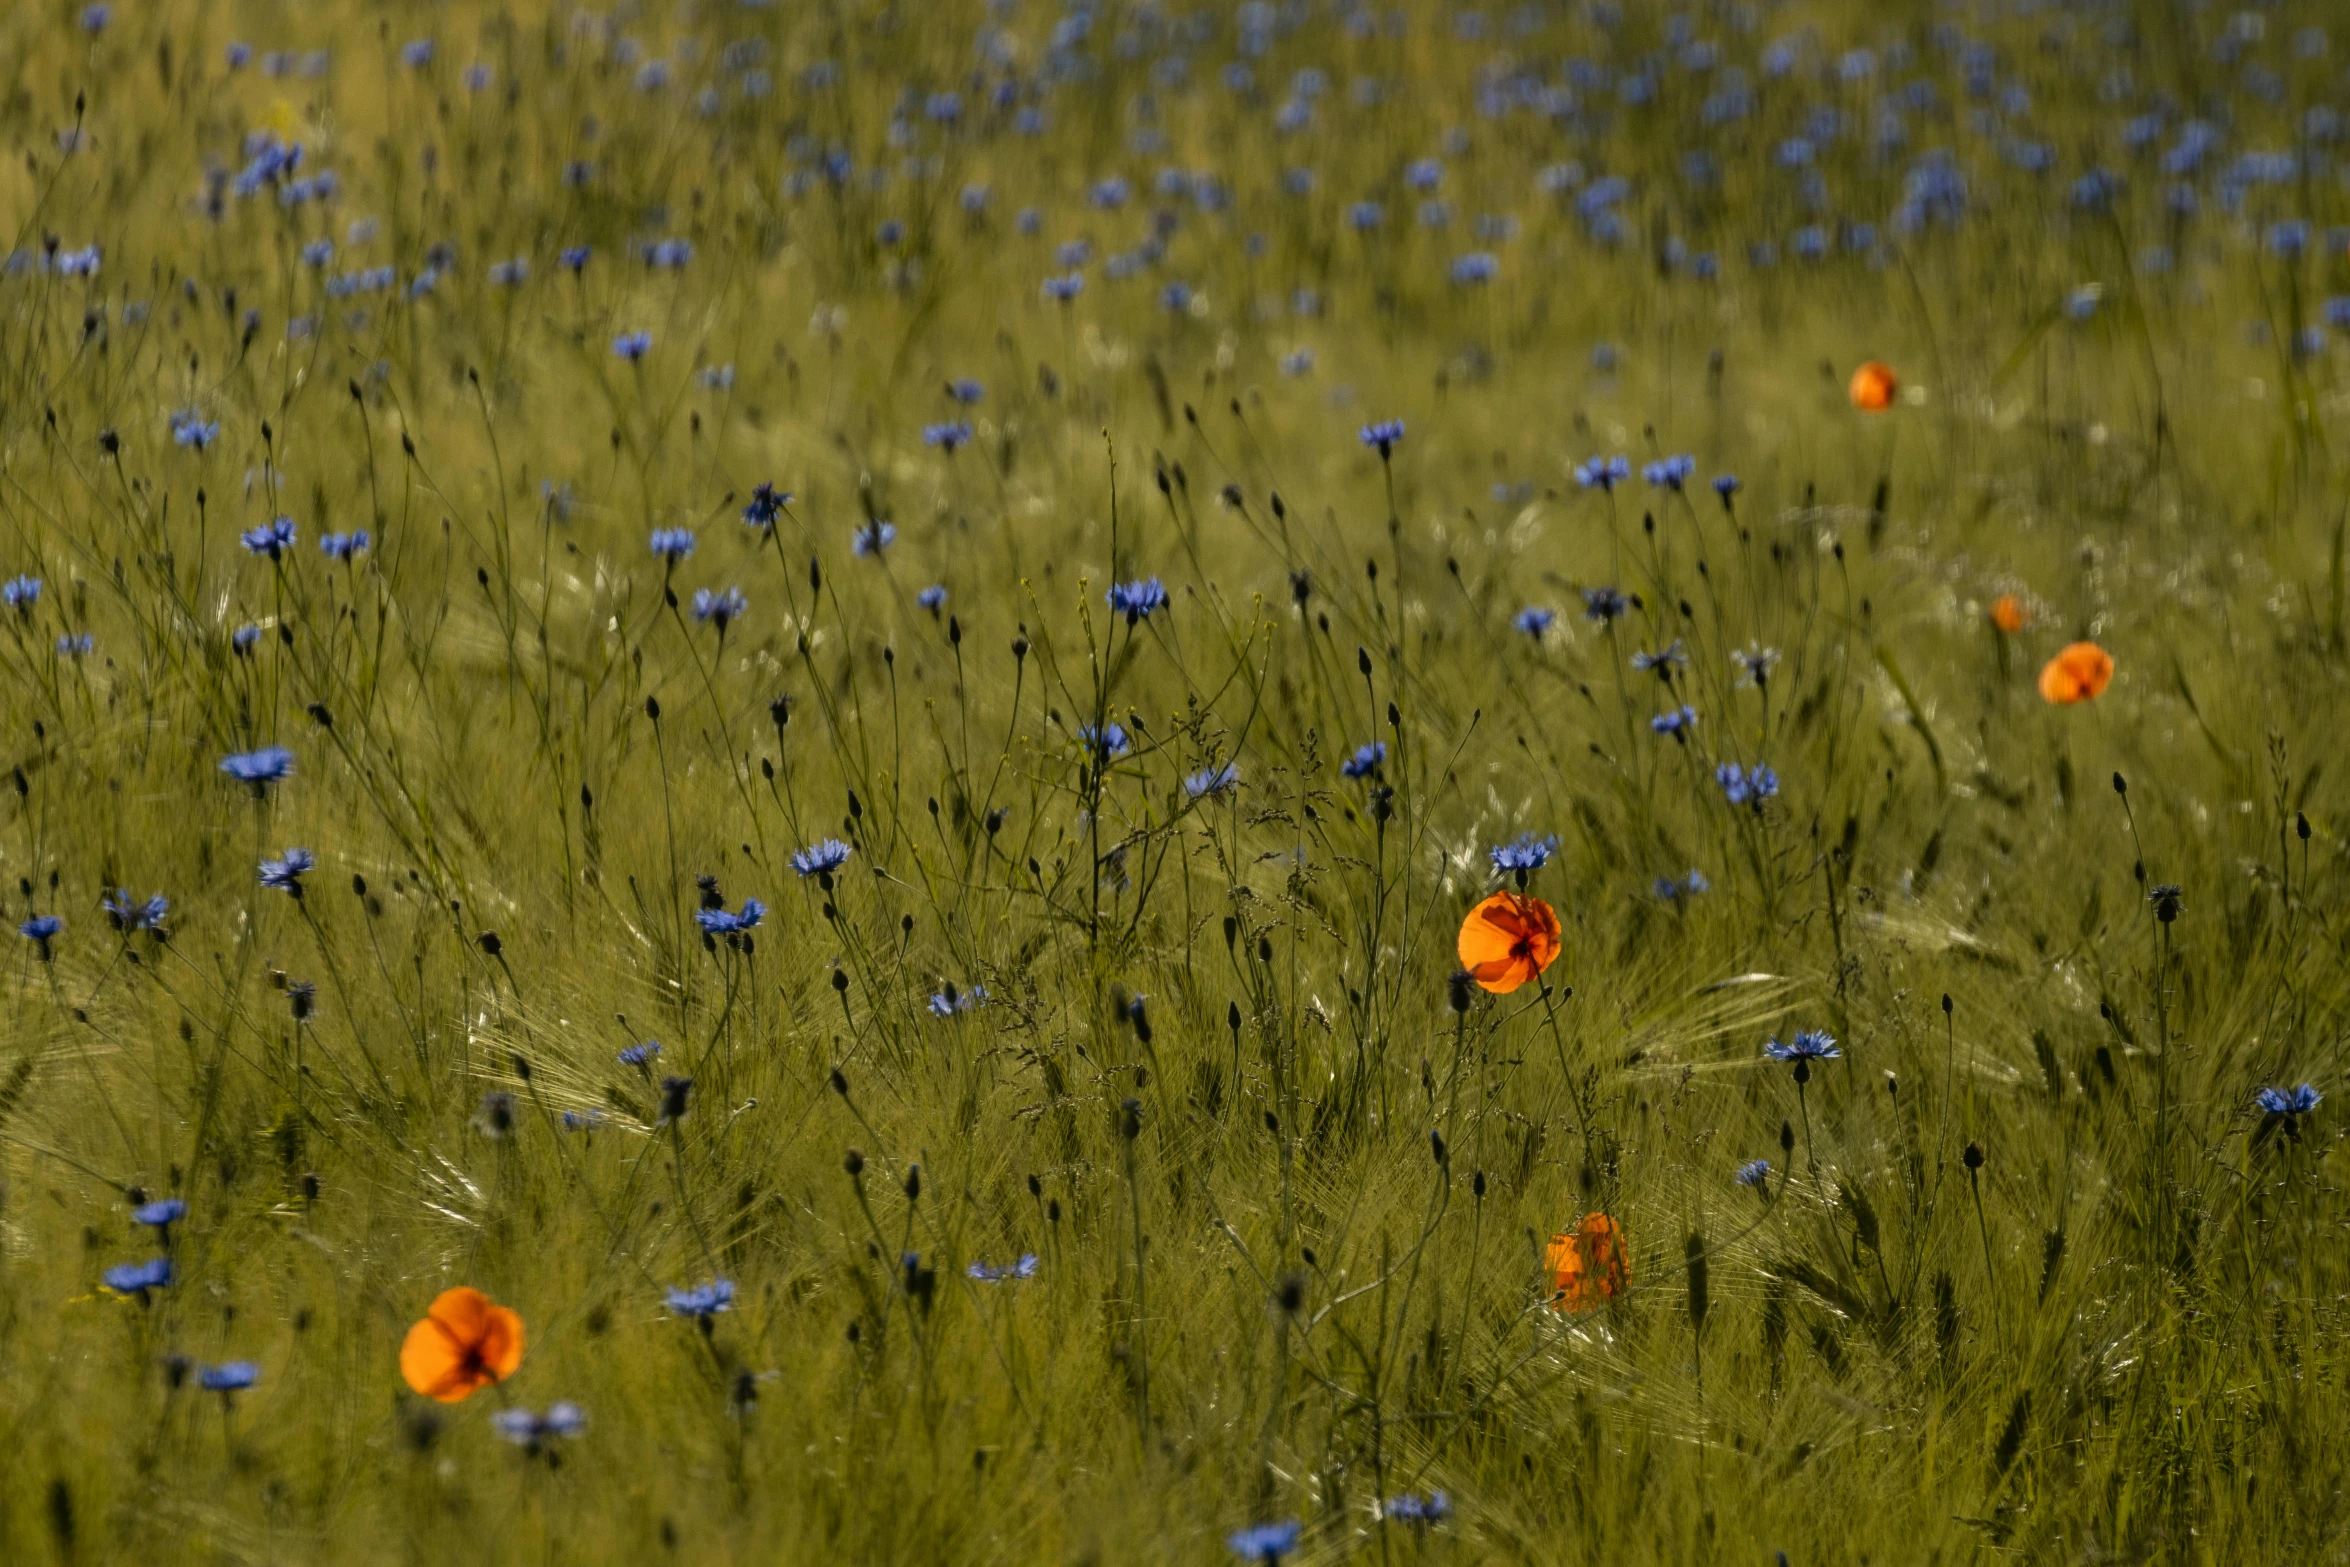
[[273, 538], [932, 598], [1297, 363], [872, 537], [1754, 663], [96, 16], [1212, 781], [1367, 760], [509, 274], [965, 390], [1109, 741], [986, 1273], [129, 914], [1726, 485], [950, 1002], [640, 1055], [575, 258], [949, 437], [271, 764], [716, 378], [73, 644], [1534, 620], [633, 346], [2289, 1101], [583, 1120], [1689, 886], [1669, 473], [285, 874], [1264, 1542], [1603, 473], [137, 1278], [161, 1214], [345, 547], [230, 1377], [1604, 604], [703, 1301], [1754, 1173], [189, 429], [416, 53], [40, 930], [721, 608], [1676, 723], [718, 922], [1433, 1508], [767, 504], [21, 593], [821, 858], [527, 1428], [318, 252], [1664, 660], [1384, 435], [1063, 289], [1741, 787], [245, 639], [1809, 1044], [1136, 600], [673, 544], [1478, 266], [1526, 852]]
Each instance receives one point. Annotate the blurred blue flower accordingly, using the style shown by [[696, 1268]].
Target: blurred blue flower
[[1664, 661], [229, 1377], [40, 930], [21, 593], [1602, 605], [872, 537], [1810, 1044], [1210, 781], [575, 258], [1754, 1173], [1526, 852], [1741, 787], [344, 547], [137, 1278], [1366, 760], [1670, 472], [703, 1301], [129, 914], [1534, 620], [948, 437], [1264, 1542], [1603, 473], [1065, 288], [271, 764], [672, 544], [2289, 1101], [986, 1273], [1109, 741], [633, 346], [525, 1428], [272, 538], [947, 1001], [1384, 435], [639, 1055], [1433, 1508], [285, 873], [932, 598], [821, 858], [1676, 723], [721, 608], [767, 504], [1139, 599], [73, 644]]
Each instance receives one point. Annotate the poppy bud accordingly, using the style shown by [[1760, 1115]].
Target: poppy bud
[[1477, 1185], [1292, 1292], [840, 1084], [1363, 659], [1052, 1211], [1457, 989], [913, 1183], [1973, 1157], [490, 945], [522, 1066], [815, 576], [2301, 826], [2119, 786], [1436, 1145], [1232, 1016], [1272, 1123], [1786, 1137], [1130, 1119], [1693, 1251], [840, 981], [854, 1163], [358, 885], [653, 708], [1035, 1186], [1020, 649], [673, 1092], [1232, 927]]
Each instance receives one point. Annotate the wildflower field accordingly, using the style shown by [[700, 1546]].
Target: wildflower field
[[1093, 781]]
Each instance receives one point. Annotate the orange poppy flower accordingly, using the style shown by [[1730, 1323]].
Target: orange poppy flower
[[465, 1342], [1589, 1265], [1507, 940], [1873, 386], [2008, 613], [2078, 674]]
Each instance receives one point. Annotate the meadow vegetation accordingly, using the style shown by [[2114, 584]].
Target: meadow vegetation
[[816, 691]]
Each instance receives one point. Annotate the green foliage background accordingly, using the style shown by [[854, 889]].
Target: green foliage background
[[2122, 1339]]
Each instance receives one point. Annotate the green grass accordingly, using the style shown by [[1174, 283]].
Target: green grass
[[1261, 1293]]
